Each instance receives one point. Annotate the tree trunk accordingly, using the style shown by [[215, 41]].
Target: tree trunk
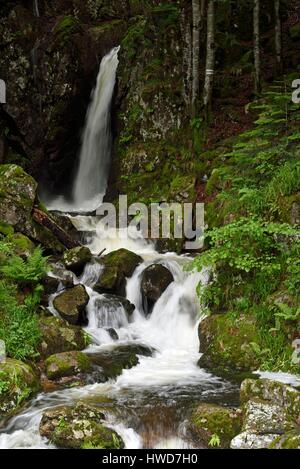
[[278, 36], [187, 55], [196, 54], [45, 220], [210, 59], [256, 36]]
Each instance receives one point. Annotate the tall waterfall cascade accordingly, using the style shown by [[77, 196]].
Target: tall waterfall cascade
[[90, 182]]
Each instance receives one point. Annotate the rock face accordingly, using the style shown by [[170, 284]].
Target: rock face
[[71, 304], [155, 279], [67, 364], [19, 382], [76, 258], [226, 343], [80, 427], [117, 266], [208, 420], [59, 336], [271, 415]]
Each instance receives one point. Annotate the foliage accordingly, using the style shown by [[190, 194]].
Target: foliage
[[214, 441], [30, 270]]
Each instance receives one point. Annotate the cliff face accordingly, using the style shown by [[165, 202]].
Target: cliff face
[[50, 65]]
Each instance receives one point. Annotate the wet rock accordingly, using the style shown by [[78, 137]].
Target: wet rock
[[50, 285], [164, 245], [113, 333], [219, 333], [58, 336], [67, 364], [117, 266], [19, 382], [71, 303], [79, 427], [209, 420], [155, 279], [121, 357], [75, 259]]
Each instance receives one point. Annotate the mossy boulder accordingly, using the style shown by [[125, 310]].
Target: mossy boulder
[[18, 383], [75, 259], [228, 343], [121, 357], [79, 427], [290, 440], [59, 336], [67, 364], [71, 304], [209, 420], [155, 280], [117, 266], [23, 246]]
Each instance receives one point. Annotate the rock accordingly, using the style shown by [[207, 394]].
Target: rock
[[19, 382], [58, 336], [23, 246], [164, 245], [67, 364], [275, 393], [226, 343], [18, 192], [117, 266], [263, 418], [248, 440], [76, 258], [208, 420], [155, 279], [79, 427], [50, 285], [71, 303], [113, 311], [113, 333], [290, 440], [121, 357]]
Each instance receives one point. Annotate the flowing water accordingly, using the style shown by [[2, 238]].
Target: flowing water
[[148, 404], [91, 179]]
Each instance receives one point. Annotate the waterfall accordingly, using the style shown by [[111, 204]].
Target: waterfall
[[36, 9], [91, 179], [90, 183]]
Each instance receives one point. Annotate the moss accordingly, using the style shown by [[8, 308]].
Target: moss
[[295, 31], [67, 364], [18, 383], [208, 420], [23, 246], [123, 260], [6, 229], [228, 343], [290, 440]]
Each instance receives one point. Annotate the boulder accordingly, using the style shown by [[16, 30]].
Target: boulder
[[117, 266], [18, 383], [75, 259], [67, 364], [121, 357], [247, 440], [155, 279], [78, 427], [227, 343], [59, 336], [23, 246], [71, 303], [209, 420]]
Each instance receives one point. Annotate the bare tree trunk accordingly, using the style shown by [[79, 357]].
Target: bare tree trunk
[[210, 58], [278, 36], [256, 36], [187, 56], [196, 54]]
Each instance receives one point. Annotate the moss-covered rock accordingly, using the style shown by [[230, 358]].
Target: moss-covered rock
[[58, 336], [209, 420], [67, 364], [75, 259], [111, 280], [290, 440], [79, 427], [71, 304], [18, 383], [228, 343], [23, 246], [125, 261]]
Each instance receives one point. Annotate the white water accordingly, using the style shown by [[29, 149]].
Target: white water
[[36, 9], [91, 179]]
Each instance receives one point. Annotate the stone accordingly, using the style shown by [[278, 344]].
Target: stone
[[111, 280], [71, 304], [248, 440], [125, 261], [78, 427], [67, 364], [263, 418], [23, 246], [18, 383], [75, 259], [208, 420], [155, 280], [58, 336]]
